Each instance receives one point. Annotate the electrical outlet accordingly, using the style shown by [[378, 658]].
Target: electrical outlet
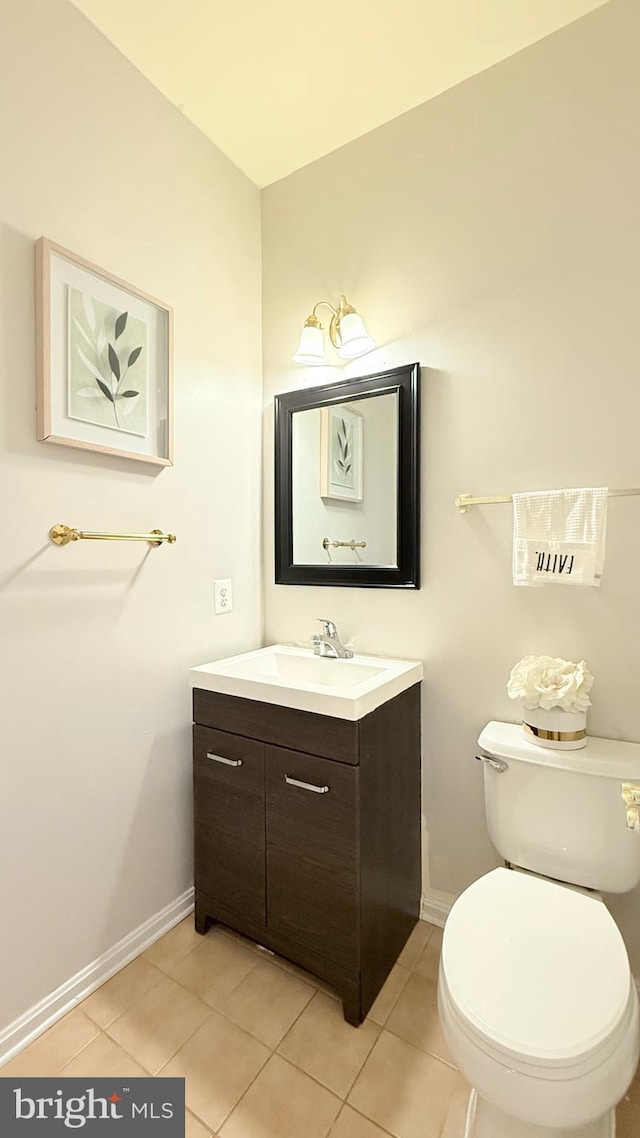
[[222, 596]]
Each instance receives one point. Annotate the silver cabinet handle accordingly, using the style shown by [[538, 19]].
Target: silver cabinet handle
[[498, 765], [306, 785], [221, 759]]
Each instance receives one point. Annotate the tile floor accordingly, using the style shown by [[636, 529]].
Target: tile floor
[[263, 1045]]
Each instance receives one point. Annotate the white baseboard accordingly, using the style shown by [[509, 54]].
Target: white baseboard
[[42, 1015], [435, 907]]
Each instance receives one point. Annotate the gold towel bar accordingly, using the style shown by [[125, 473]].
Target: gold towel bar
[[62, 535], [464, 502], [343, 544]]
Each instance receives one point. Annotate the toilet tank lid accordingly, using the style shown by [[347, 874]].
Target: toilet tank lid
[[607, 758], [539, 969]]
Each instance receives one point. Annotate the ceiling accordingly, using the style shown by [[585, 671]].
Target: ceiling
[[278, 84]]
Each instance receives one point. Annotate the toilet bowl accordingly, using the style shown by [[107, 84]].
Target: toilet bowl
[[536, 997], [538, 1007]]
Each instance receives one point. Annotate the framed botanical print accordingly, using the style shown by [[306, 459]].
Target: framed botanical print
[[104, 360], [341, 453]]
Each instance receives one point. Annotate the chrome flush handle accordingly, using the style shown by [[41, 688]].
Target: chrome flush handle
[[498, 765], [630, 794]]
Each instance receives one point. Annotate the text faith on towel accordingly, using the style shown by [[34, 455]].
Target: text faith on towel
[[557, 565]]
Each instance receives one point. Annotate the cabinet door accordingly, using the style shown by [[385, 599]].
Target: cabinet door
[[228, 780], [312, 851]]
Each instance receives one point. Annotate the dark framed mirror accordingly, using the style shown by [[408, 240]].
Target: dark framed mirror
[[347, 471]]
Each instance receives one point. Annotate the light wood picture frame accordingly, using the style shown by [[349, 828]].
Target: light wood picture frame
[[104, 360]]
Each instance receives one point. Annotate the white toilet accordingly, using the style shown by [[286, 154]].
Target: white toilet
[[536, 998]]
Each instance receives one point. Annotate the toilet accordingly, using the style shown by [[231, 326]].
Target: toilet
[[535, 993]]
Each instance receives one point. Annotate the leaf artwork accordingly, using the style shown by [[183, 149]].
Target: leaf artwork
[[114, 362], [107, 354], [89, 311], [92, 367], [341, 453], [82, 332], [344, 438], [104, 389]]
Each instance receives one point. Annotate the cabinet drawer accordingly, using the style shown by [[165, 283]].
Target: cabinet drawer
[[280, 726], [312, 852], [228, 778]]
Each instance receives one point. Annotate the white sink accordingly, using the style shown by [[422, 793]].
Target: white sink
[[294, 677]]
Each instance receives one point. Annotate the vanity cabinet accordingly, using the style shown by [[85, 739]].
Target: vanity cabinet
[[228, 780], [307, 834], [312, 852]]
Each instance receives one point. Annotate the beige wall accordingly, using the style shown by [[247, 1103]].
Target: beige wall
[[493, 235], [96, 639]]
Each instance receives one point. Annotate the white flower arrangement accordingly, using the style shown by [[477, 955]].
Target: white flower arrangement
[[550, 681]]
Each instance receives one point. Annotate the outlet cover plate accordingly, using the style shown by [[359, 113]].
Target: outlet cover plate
[[222, 596]]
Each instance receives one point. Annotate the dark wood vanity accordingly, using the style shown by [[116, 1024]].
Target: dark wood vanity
[[307, 834]]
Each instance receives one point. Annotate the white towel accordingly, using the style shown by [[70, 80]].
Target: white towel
[[559, 536]]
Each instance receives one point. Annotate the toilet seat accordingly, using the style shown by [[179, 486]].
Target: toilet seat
[[537, 974]]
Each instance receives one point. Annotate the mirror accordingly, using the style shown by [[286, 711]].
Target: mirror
[[347, 473]]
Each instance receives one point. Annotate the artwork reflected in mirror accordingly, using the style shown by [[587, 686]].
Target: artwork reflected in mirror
[[347, 482], [341, 452]]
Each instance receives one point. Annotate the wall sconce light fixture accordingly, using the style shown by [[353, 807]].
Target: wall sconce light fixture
[[347, 333]]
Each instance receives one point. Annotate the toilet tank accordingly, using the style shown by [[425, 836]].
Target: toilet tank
[[562, 813]]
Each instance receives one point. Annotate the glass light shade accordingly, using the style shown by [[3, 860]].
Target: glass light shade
[[311, 346], [355, 338]]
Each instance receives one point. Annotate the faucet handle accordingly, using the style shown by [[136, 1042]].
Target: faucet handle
[[328, 627]]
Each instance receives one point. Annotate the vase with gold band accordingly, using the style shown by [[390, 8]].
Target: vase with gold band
[[561, 730]]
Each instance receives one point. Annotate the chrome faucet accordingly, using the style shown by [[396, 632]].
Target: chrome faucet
[[328, 643]]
